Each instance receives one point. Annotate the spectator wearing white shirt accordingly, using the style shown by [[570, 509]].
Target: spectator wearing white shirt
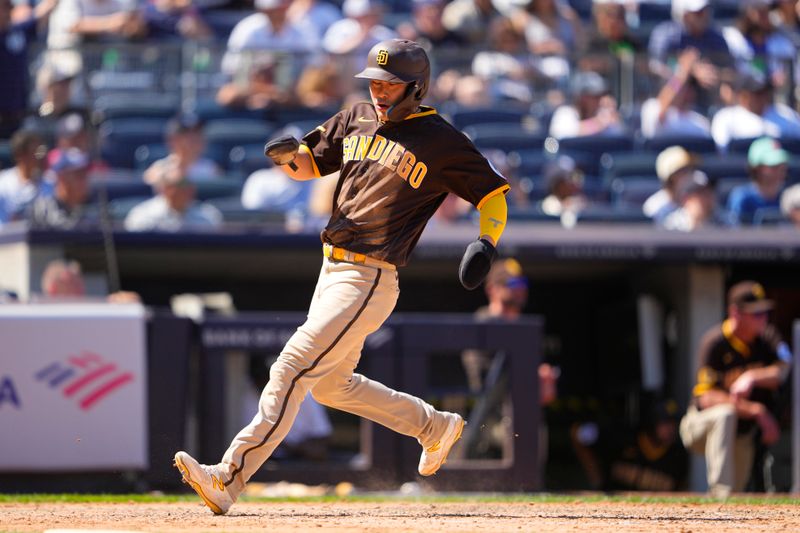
[[699, 206], [754, 114], [359, 31], [672, 112], [314, 17], [76, 20], [174, 208], [790, 204], [594, 111], [22, 183], [269, 29]]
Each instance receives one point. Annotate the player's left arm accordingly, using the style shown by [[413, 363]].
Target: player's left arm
[[493, 217]]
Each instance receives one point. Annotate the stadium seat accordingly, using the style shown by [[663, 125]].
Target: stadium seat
[[463, 117], [739, 146], [147, 154], [233, 211], [137, 105], [118, 188], [599, 213], [218, 188], [6, 160], [284, 115], [724, 187], [769, 216], [529, 162], [119, 138], [589, 149], [632, 164], [721, 167], [697, 145], [530, 213], [222, 21], [633, 191], [120, 207], [223, 135], [246, 159], [207, 109], [504, 136], [298, 128]]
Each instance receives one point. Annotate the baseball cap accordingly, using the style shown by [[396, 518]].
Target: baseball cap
[[70, 125], [750, 297], [507, 273], [699, 182], [752, 80], [671, 160], [766, 151], [690, 6], [70, 159], [588, 82], [182, 123]]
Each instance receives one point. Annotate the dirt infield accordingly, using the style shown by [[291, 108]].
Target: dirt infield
[[402, 516]]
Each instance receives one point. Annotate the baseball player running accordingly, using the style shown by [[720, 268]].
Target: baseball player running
[[397, 161]]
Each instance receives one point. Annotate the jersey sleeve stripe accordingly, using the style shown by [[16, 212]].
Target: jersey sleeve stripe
[[307, 150], [500, 190]]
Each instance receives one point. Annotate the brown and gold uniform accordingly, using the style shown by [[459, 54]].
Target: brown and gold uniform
[[393, 177], [727, 441]]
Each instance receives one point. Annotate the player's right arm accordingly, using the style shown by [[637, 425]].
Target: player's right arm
[[305, 169], [295, 159]]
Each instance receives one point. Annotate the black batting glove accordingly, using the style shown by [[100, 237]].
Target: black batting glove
[[476, 263], [282, 150]]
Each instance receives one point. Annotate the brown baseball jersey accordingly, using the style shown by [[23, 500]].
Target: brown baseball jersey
[[393, 177], [725, 357]]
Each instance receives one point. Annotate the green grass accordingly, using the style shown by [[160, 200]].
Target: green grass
[[435, 498]]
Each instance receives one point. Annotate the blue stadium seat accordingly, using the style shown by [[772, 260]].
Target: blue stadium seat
[[136, 105], [298, 128], [721, 167], [223, 135], [769, 216], [724, 187], [119, 138], [6, 160], [529, 162], [120, 207], [207, 109], [118, 188], [222, 21], [233, 211], [697, 145], [285, 115], [147, 154], [504, 136], [463, 117], [599, 213], [740, 146], [589, 149], [633, 191], [531, 213], [633, 164], [244, 160], [218, 188]]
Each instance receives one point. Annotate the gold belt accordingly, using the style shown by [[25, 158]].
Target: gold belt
[[340, 254]]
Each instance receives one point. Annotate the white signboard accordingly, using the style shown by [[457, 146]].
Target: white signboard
[[73, 386]]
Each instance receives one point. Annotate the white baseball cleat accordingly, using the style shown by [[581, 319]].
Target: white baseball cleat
[[435, 456], [207, 481]]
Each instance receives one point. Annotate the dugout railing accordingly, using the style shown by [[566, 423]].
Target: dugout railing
[[397, 355]]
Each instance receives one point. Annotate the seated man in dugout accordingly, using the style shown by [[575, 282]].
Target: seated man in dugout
[[743, 362]]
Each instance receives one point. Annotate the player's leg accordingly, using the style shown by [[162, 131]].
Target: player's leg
[[720, 450], [436, 431], [743, 459], [349, 303]]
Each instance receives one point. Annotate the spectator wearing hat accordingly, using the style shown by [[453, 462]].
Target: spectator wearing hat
[[790, 204], [768, 166], [698, 208], [565, 187], [754, 41], [174, 207], [755, 113], [592, 112], [67, 208], [74, 131], [672, 112], [187, 144], [22, 183], [674, 168], [15, 39], [743, 361], [359, 31], [76, 21], [691, 27], [58, 90]]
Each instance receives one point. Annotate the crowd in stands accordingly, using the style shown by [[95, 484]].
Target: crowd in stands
[[681, 114]]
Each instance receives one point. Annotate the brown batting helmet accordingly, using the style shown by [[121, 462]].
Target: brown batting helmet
[[400, 61]]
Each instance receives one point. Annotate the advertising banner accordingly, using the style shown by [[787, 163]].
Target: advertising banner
[[73, 386]]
